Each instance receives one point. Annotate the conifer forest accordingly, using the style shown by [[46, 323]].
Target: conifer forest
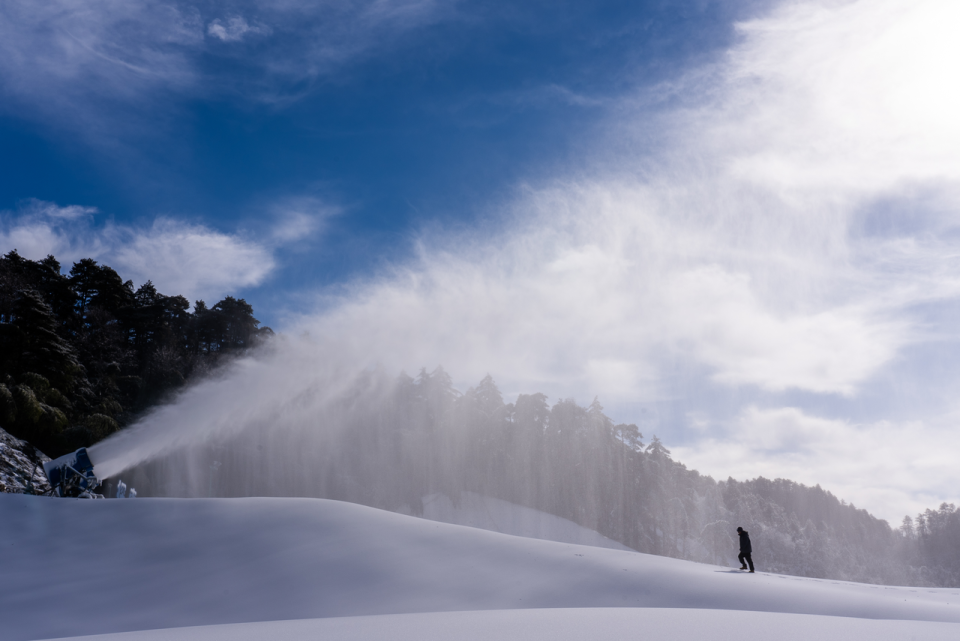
[[85, 353]]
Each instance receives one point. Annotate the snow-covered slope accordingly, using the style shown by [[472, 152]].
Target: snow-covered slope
[[564, 624], [487, 513], [73, 567]]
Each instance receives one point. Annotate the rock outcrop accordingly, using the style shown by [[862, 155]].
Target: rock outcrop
[[21, 466]]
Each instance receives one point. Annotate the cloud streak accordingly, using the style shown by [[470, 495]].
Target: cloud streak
[[96, 66], [234, 29]]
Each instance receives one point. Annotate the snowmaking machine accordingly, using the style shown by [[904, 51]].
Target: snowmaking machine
[[72, 475]]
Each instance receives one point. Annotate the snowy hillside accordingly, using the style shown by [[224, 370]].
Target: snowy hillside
[[563, 624], [488, 513], [74, 568]]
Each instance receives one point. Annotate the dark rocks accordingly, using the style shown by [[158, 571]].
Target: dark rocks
[[21, 467]]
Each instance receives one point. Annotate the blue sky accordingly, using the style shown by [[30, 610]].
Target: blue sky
[[444, 112], [735, 222]]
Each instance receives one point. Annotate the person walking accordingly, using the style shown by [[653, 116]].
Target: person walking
[[745, 549]]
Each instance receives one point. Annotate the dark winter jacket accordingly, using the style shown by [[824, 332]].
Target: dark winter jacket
[[745, 547]]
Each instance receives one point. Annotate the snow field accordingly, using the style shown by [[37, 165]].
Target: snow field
[[496, 515], [72, 568], [563, 624]]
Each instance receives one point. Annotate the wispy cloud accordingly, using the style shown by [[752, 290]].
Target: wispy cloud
[[59, 51], [234, 29], [846, 96], [96, 65], [301, 218], [549, 94]]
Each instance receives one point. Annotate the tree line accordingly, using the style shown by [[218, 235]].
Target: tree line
[[389, 449], [82, 354]]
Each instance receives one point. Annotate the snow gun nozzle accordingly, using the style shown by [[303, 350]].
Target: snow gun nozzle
[[72, 475]]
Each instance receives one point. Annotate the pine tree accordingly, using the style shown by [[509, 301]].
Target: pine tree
[[43, 370], [97, 352], [33, 344], [235, 325], [99, 286]]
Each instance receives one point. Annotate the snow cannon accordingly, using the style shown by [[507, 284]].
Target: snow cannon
[[72, 475]]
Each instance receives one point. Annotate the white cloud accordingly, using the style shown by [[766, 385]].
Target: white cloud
[[50, 210], [851, 96], [888, 468], [189, 259], [608, 273], [722, 320], [234, 29], [180, 258], [301, 218]]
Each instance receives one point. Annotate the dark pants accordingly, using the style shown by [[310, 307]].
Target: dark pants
[[744, 559]]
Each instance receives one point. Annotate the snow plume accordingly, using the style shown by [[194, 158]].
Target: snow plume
[[288, 388], [789, 229]]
